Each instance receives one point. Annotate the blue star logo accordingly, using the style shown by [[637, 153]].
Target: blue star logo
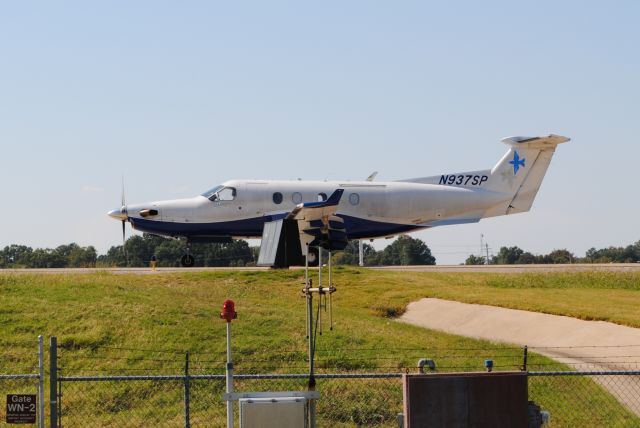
[[517, 162]]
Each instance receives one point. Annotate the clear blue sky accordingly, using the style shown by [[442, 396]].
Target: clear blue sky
[[179, 96]]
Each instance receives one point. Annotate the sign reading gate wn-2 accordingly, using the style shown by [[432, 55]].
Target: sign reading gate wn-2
[[21, 409]]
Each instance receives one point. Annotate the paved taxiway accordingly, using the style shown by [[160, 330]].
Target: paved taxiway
[[610, 267]]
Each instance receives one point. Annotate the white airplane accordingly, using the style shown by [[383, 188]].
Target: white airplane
[[293, 218]]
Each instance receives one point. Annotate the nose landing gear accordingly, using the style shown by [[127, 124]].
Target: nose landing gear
[[187, 260]]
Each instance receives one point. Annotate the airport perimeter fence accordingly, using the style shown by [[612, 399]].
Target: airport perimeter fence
[[119, 387], [22, 373]]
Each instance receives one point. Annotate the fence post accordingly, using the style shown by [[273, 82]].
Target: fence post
[[53, 382], [187, 422], [40, 382], [524, 358]]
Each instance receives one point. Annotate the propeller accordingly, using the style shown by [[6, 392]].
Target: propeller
[[123, 210], [122, 215]]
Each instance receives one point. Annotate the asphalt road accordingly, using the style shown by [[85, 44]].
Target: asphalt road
[[612, 267]]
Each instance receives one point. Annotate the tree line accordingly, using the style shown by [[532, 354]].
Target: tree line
[[139, 250], [516, 255], [403, 251], [72, 255]]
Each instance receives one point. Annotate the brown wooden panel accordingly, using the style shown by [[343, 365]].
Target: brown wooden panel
[[466, 400]]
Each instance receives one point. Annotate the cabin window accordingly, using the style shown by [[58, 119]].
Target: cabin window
[[354, 199], [227, 194], [296, 197], [277, 198], [322, 197]]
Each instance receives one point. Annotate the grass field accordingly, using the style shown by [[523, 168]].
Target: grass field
[[133, 324]]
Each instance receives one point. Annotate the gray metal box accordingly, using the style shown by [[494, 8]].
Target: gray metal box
[[283, 412]]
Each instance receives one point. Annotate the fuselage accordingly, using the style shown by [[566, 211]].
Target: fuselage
[[239, 208]]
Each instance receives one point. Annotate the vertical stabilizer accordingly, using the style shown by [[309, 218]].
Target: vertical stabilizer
[[520, 172]]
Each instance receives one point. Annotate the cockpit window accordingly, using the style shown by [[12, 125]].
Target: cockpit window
[[211, 192], [220, 193]]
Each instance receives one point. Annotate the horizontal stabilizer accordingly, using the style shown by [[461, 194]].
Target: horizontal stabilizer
[[548, 141]]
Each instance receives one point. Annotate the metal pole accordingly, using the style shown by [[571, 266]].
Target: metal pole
[[320, 267], [60, 404], [229, 377], [306, 284], [319, 320], [53, 382], [329, 265], [361, 252], [330, 294], [524, 358], [40, 382], [312, 379], [187, 422]]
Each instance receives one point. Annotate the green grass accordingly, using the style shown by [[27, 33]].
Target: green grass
[[142, 324]]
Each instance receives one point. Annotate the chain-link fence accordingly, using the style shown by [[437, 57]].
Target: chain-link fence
[[588, 399], [573, 399], [22, 372], [115, 387], [346, 400]]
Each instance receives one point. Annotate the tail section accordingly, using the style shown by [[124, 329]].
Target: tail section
[[520, 172], [518, 175]]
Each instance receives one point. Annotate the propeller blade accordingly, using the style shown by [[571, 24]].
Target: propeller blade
[[124, 248], [122, 198]]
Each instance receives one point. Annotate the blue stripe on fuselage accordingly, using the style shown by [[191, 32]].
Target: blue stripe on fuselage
[[246, 227], [356, 228]]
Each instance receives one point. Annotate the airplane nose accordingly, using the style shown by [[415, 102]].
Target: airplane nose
[[118, 214]]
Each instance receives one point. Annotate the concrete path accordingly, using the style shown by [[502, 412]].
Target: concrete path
[[583, 345], [607, 267]]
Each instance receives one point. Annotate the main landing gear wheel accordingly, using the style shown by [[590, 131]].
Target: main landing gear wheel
[[313, 256], [187, 260]]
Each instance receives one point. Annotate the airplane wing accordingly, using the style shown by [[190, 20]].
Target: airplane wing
[[310, 224], [318, 224], [316, 210]]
